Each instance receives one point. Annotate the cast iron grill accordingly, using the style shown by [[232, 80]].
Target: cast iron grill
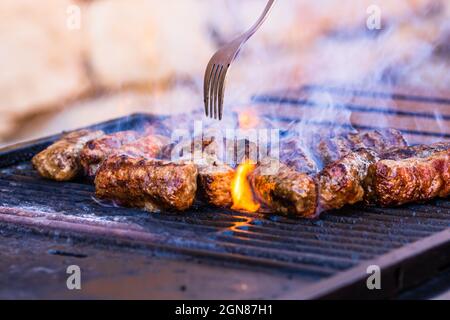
[[337, 246]]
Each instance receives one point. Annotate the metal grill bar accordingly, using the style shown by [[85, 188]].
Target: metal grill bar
[[377, 94], [356, 223], [347, 106], [422, 119], [285, 121]]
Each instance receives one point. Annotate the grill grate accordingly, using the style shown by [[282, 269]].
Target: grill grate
[[338, 242], [422, 119]]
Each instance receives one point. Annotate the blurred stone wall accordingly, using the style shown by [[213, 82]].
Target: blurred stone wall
[[68, 63]]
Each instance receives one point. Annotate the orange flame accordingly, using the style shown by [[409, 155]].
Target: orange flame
[[248, 119], [241, 191]]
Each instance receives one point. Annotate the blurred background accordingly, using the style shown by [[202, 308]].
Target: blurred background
[[70, 63]]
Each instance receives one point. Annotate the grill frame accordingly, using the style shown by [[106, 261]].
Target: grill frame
[[401, 265]]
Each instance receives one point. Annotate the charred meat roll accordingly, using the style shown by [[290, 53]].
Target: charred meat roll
[[214, 176], [342, 182], [293, 154], [97, 150], [61, 160], [147, 183], [240, 151], [148, 146], [420, 151], [184, 149], [333, 149], [214, 183], [282, 189], [422, 177], [380, 140], [232, 152]]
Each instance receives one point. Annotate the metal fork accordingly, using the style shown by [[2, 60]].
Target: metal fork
[[214, 81]]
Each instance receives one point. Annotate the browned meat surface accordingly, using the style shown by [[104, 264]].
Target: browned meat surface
[[342, 182], [96, 151], [418, 178], [402, 175], [147, 183], [61, 160], [214, 182], [293, 154], [214, 176], [380, 140], [240, 151], [232, 152], [185, 149], [281, 189], [333, 149], [148, 146], [421, 151]]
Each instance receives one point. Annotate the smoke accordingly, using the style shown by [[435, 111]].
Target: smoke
[[329, 43]]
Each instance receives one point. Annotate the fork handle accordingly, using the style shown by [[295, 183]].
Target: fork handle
[[261, 19]]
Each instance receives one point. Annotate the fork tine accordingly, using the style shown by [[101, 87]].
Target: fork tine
[[216, 92], [214, 81], [206, 85], [222, 90], [211, 90]]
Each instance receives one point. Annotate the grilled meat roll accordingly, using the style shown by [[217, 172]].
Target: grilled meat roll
[[292, 154], [422, 177], [214, 176], [333, 149], [184, 149], [214, 183], [61, 160], [342, 182], [380, 140], [282, 189], [240, 151], [97, 150], [147, 183], [148, 146], [421, 151], [232, 152]]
